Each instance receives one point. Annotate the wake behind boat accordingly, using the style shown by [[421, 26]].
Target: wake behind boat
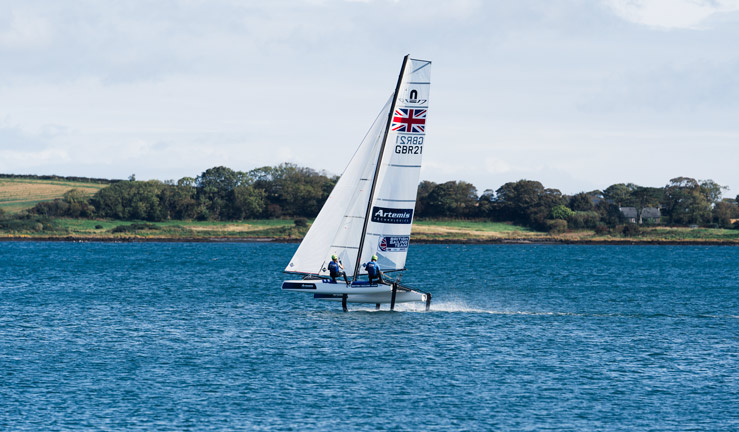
[[368, 215]]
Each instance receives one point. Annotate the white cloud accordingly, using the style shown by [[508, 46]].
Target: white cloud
[[671, 14], [25, 30], [524, 89]]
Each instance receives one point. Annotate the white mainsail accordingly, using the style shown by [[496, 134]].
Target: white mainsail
[[370, 210]]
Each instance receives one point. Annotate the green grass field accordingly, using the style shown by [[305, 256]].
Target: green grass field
[[472, 225], [17, 194], [285, 229], [251, 229]]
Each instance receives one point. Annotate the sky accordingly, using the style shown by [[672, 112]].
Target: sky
[[577, 94]]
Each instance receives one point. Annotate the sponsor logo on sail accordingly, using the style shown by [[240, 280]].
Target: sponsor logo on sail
[[391, 215], [393, 243]]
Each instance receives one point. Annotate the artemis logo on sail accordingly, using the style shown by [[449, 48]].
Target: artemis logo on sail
[[391, 215]]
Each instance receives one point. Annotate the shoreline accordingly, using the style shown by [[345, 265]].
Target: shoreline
[[510, 241]]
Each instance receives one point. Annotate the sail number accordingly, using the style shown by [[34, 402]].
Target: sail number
[[408, 149], [408, 144], [412, 140]]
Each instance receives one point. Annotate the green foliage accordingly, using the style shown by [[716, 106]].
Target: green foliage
[[134, 227], [723, 213], [712, 190], [584, 219], [631, 230], [581, 202], [74, 203], [619, 194], [526, 202], [26, 223], [452, 199], [686, 202], [292, 190], [642, 197], [301, 222], [247, 202], [609, 213], [486, 203], [132, 200], [555, 226], [422, 197], [601, 228], [561, 212]]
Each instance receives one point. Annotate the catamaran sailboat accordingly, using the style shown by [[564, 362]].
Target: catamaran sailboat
[[370, 210]]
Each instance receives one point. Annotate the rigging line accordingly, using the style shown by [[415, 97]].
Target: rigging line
[[379, 165], [365, 137], [422, 66]]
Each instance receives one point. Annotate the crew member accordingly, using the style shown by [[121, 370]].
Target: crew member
[[373, 270], [336, 269]]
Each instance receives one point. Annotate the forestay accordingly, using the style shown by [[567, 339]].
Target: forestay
[[381, 181]]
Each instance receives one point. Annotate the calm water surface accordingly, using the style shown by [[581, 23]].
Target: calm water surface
[[100, 336]]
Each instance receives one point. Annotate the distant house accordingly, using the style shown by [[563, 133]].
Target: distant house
[[650, 215], [629, 213]]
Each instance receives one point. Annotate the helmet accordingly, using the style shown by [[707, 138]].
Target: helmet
[[374, 257], [333, 257]]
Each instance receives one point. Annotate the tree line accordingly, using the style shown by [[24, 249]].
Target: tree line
[[683, 201], [288, 190]]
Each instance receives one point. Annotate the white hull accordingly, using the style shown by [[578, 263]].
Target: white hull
[[357, 292], [381, 298]]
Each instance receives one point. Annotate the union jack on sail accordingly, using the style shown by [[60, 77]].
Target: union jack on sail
[[409, 120]]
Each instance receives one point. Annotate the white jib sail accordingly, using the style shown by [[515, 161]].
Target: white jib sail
[[339, 225]]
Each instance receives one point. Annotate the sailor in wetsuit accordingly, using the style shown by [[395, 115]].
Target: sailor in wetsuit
[[336, 269], [373, 270]]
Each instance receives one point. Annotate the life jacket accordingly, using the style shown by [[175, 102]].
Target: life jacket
[[333, 268], [372, 268]]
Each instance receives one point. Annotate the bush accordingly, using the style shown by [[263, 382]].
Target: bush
[[561, 212], [98, 227], [601, 229], [556, 226], [26, 223], [301, 222], [134, 227], [588, 219], [631, 230]]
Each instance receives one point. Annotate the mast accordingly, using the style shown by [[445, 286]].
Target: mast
[[377, 168]]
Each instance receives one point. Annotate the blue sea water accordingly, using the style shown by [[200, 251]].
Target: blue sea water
[[194, 336]]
